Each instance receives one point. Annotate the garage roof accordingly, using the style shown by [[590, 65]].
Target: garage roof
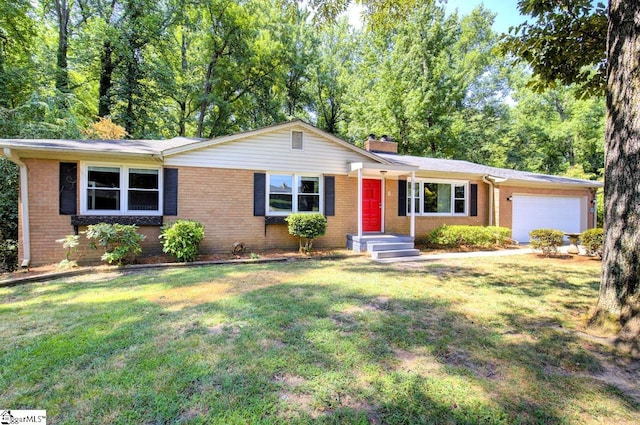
[[465, 167]]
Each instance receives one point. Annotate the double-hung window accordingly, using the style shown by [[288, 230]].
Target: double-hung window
[[290, 193], [438, 198], [118, 189]]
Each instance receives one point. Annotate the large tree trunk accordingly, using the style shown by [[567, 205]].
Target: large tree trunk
[[63, 11], [621, 262], [106, 70]]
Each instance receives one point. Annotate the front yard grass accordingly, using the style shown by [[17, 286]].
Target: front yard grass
[[468, 341]]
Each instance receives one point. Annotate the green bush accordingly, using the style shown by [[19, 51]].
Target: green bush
[[307, 227], [592, 240], [8, 255], [480, 236], [182, 239], [121, 242], [547, 240]]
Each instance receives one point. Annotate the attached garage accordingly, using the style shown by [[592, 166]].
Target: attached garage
[[530, 212]]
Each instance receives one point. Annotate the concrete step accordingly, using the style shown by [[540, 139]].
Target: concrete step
[[388, 246], [376, 255]]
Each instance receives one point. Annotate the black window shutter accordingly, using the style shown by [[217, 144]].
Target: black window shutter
[[473, 202], [402, 198], [329, 195], [259, 191], [68, 188], [170, 198]]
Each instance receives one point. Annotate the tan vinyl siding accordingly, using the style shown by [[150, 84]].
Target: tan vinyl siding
[[272, 152]]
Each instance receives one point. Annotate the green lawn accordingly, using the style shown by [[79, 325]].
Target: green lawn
[[474, 341]]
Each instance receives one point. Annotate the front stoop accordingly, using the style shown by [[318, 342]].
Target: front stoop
[[383, 245]]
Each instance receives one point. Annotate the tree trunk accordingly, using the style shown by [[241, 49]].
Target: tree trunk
[[106, 70], [621, 260], [62, 73]]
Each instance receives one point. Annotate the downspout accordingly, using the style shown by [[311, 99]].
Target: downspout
[[490, 183], [24, 196]]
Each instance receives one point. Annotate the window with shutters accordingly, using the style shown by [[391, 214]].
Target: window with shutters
[[110, 189], [438, 197], [290, 193]]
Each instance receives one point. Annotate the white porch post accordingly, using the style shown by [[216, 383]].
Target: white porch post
[[412, 231], [360, 202]]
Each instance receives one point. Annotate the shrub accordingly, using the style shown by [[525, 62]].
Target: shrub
[[482, 236], [592, 240], [8, 255], [70, 243], [547, 240], [307, 227], [121, 242], [182, 239]]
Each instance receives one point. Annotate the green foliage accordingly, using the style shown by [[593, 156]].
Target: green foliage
[[9, 173], [546, 240], [478, 236], [307, 227], [121, 242], [565, 42], [8, 255], [9, 176], [70, 244], [182, 239], [593, 241]]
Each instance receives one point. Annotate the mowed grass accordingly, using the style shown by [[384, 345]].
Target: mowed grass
[[473, 341]]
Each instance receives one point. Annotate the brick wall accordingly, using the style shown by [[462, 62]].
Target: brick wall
[[47, 225], [222, 200]]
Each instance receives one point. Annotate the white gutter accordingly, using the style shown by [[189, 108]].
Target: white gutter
[[24, 196], [491, 180]]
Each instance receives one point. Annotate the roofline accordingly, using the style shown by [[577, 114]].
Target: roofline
[[55, 149], [268, 129]]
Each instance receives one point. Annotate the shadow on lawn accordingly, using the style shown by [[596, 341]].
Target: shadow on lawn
[[288, 352]]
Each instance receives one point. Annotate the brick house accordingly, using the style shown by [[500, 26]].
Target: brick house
[[242, 186]]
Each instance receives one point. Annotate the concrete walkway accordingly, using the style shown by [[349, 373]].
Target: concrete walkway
[[449, 255]]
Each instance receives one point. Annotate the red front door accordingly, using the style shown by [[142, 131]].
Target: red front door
[[371, 205]]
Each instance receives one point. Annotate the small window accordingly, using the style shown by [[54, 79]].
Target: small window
[[144, 191], [103, 188], [280, 193], [308, 194], [296, 140], [460, 197]]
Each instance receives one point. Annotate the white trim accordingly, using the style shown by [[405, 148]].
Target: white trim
[[124, 189], [294, 193]]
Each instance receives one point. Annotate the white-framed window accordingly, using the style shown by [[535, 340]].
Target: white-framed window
[[291, 193], [297, 140], [438, 197], [116, 189]]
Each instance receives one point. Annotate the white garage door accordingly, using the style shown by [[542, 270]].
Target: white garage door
[[547, 212]]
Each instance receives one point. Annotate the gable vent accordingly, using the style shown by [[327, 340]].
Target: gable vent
[[296, 140]]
